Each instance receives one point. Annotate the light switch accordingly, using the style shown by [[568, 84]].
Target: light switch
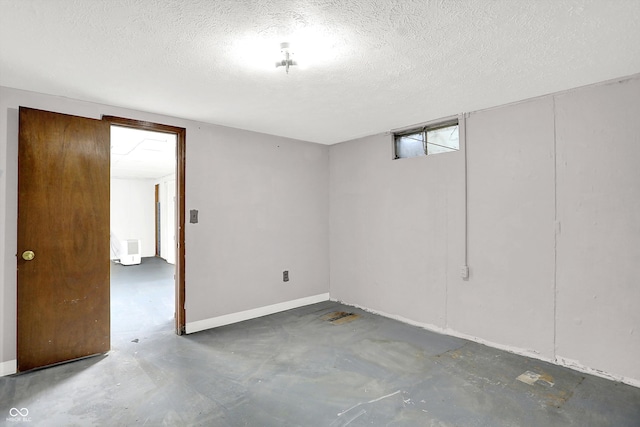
[[193, 216]]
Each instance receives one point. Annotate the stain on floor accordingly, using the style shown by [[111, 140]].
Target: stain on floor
[[293, 369], [340, 317]]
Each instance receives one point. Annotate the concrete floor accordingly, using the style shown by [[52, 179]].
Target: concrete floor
[[296, 369]]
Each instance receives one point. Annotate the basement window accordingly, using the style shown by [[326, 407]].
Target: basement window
[[436, 139]]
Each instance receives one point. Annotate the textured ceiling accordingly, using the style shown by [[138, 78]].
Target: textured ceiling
[[142, 154], [371, 65]]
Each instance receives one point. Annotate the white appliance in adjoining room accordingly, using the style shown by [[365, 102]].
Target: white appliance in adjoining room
[[130, 252]]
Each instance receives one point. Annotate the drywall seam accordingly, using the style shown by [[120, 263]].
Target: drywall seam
[[446, 263], [9, 367], [241, 316], [557, 360], [556, 231]]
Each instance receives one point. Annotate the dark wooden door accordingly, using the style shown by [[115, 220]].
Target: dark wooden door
[[63, 219]]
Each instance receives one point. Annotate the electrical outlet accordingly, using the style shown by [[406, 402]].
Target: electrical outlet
[[464, 271], [285, 276]]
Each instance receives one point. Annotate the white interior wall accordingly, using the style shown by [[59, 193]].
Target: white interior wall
[[598, 158], [167, 196], [393, 228], [565, 164], [9, 233], [263, 204], [132, 212], [552, 213], [509, 296]]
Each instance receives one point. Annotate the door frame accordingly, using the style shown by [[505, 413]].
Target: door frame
[[180, 318], [157, 218]]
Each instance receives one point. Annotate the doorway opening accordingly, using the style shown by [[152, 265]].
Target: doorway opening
[[142, 210], [147, 226]]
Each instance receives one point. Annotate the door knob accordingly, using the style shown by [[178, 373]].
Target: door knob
[[28, 255]]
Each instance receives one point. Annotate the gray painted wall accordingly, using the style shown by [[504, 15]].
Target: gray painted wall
[[554, 226], [553, 208], [509, 297], [396, 228], [263, 207], [598, 290]]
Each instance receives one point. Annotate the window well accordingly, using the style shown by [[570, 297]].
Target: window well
[[441, 138]]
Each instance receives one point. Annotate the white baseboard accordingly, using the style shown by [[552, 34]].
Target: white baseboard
[[560, 361], [9, 367], [228, 319]]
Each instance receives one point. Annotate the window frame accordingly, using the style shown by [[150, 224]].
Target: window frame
[[423, 128]]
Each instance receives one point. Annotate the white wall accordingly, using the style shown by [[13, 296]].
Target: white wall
[[509, 297], [168, 225], [263, 206], [553, 209], [263, 203], [133, 212], [598, 167], [394, 228]]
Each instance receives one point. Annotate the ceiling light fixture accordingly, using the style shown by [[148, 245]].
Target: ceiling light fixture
[[287, 61]]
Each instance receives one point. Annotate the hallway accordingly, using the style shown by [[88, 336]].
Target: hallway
[[142, 300]]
